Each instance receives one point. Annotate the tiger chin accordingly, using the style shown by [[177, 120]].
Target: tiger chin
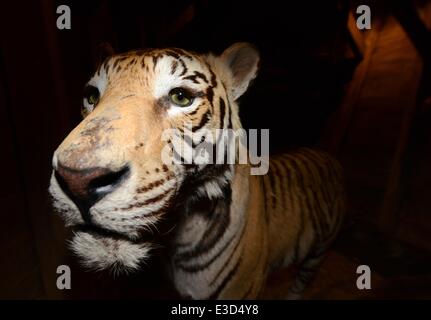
[[118, 256], [224, 228]]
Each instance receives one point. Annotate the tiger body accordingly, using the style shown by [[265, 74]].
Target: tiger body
[[227, 229], [289, 216]]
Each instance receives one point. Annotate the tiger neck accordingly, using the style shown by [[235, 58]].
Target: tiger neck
[[209, 232]]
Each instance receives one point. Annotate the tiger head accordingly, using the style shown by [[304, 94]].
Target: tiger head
[[109, 181]]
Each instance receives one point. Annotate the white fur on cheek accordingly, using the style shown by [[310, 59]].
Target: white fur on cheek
[[100, 253], [100, 81]]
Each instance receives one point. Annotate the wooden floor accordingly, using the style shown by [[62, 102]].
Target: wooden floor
[[397, 271]]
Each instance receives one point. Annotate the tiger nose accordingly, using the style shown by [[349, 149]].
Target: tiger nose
[[87, 186]]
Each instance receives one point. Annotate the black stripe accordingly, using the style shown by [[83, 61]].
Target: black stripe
[[197, 268], [229, 258], [220, 220], [316, 211], [196, 110], [289, 192], [191, 78], [178, 157], [155, 58], [302, 185], [281, 180], [155, 199], [204, 120], [176, 52], [132, 62], [151, 185], [293, 194], [222, 112], [331, 179], [174, 66], [202, 76], [210, 95], [225, 281], [272, 183], [172, 53], [105, 65], [230, 114], [114, 66], [247, 293], [322, 169], [213, 76], [183, 65], [265, 200], [197, 179], [330, 190], [195, 76]]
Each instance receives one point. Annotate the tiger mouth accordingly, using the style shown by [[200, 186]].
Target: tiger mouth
[[100, 232]]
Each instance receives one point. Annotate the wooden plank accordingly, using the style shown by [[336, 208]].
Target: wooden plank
[[339, 122], [370, 131], [417, 34]]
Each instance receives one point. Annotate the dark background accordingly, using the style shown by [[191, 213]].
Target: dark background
[[308, 63]]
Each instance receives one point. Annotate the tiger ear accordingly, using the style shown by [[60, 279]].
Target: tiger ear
[[242, 59], [104, 51]]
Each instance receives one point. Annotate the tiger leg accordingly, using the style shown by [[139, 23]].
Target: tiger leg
[[305, 274]]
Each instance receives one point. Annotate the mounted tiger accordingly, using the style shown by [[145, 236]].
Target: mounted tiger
[[228, 228]]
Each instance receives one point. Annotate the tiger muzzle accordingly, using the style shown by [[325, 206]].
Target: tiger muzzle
[[85, 187]]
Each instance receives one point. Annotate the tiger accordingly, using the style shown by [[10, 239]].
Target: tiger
[[222, 229]]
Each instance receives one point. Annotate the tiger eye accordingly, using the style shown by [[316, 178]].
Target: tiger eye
[[181, 97], [92, 95]]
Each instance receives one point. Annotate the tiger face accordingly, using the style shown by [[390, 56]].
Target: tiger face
[[109, 182]]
